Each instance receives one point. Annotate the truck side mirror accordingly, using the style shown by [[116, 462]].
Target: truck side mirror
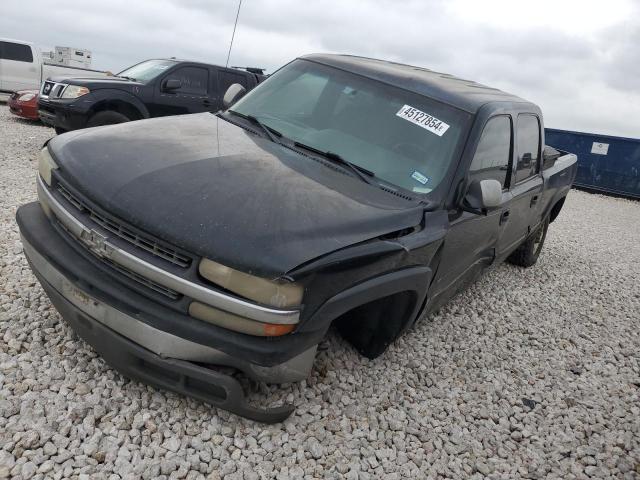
[[483, 195], [234, 93], [171, 85]]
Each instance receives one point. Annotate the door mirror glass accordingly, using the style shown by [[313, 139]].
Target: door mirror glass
[[234, 93], [484, 195], [171, 85]]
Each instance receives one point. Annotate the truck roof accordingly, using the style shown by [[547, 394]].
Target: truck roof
[[463, 94], [200, 62], [13, 40]]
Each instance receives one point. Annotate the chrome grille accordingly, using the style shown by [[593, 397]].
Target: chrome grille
[[143, 280], [115, 227], [52, 89], [172, 294], [47, 87]]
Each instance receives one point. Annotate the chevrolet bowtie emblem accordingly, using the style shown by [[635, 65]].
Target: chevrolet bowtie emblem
[[96, 243]]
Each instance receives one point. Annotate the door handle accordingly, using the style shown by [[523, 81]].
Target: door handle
[[534, 200], [206, 103], [504, 217]]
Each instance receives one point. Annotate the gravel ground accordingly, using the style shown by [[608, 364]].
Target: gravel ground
[[529, 374]]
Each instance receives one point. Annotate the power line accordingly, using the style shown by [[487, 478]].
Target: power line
[[234, 32]]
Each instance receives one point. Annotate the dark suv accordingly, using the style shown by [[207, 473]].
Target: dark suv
[[153, 88]]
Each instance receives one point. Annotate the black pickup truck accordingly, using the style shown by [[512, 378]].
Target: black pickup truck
[[342, 190], [153, 88]]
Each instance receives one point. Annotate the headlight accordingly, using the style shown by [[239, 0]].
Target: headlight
[[25, 97], [274, 293], [74, 91], [45, 165]]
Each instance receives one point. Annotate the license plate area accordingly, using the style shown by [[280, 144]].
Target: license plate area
[[84, 302]]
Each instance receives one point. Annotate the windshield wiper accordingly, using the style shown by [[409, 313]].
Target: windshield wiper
[[128, 78], [272, 133], [361, 172]]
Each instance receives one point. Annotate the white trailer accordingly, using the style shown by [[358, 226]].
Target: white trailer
[[72, 57]]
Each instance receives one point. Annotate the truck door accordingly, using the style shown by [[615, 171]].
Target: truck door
[[191, 97], [19, 71], [470, 243], [521, 216]]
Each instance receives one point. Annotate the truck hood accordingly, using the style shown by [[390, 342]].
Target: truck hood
[[93, 83], [219, 191]]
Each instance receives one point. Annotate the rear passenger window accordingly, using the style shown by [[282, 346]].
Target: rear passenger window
[[16, 52], [528, 146], [194, 80], [493, 155]]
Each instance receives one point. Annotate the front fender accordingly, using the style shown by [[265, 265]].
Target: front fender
[[106, 95], [411, 279]]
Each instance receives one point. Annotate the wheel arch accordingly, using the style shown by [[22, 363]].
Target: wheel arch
[[127, 105], [556, 208], [399, 294]]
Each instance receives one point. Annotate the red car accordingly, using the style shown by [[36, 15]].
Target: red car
[[25, 104]]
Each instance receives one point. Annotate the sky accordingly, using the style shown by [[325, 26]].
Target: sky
[[579, 60]]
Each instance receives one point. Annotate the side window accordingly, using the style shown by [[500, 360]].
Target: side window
[[226, 79], [16, 52], [492, 159], [194, 80], [528, 146]]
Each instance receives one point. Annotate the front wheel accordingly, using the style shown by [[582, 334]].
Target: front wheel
[[527, 254]]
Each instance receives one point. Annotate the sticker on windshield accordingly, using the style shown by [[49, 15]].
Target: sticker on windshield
[[424, 120], [418, 177]]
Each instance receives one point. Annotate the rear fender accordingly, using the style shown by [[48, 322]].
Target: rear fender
[[558, 180]]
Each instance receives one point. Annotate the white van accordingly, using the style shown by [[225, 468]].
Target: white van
[[22, 67]]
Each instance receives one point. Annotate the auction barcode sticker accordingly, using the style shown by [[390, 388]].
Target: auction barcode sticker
[[422, 119]]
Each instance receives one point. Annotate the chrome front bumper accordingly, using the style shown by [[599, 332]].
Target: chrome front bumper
[[161, 343]]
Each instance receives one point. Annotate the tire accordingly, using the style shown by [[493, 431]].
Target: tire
[[107, 117], [60, 130], [528, 252]]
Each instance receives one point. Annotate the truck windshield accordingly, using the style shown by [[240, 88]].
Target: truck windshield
[[402, 138], [146, 71]]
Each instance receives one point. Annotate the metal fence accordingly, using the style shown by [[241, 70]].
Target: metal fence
[[605, 163]]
